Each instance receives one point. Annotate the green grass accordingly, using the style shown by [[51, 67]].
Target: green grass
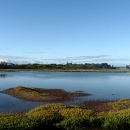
[[69, 70], [123, 103], [29, 91]]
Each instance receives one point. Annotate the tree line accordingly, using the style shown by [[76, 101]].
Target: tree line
[[5, 65]]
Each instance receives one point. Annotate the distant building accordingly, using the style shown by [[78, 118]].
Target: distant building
[[127, 66], [68, 63]]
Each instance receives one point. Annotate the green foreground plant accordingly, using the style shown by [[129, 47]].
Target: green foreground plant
[[61, 117]]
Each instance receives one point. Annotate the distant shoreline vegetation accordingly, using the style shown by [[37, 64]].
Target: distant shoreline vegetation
[[67, 66]]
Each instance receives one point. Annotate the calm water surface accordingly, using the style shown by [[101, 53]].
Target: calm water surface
[[100, 85]]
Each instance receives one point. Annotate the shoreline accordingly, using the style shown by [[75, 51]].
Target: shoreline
[[97, 105], [69, 70]]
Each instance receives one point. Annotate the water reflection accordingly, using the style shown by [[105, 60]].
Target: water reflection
[[3, 75], [100, 85]]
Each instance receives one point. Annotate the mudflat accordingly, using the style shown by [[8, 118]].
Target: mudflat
[[43, 95], [57, 95]]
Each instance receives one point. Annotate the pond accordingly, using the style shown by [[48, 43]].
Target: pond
[[101, 85]]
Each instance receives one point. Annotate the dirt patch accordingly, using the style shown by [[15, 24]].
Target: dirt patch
[[44, 95], [97, 105]]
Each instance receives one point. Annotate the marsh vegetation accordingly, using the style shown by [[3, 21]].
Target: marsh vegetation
[[73, 117]]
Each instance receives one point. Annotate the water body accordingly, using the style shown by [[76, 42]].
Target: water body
[[101, 85]]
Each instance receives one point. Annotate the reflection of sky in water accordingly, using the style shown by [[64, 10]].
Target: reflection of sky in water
[[101, 85]]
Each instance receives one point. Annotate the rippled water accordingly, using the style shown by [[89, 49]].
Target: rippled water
[[100, 85]]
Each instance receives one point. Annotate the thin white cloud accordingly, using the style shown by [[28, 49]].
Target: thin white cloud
[[78, 59], [34, 52], [12, 57], [87, 57]]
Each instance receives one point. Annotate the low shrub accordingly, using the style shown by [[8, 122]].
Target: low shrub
[[61, 117], [123, 103], [74, 124], [117, 123], [16, 122]]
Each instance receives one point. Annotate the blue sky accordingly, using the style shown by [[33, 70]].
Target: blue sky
[[57, 31]]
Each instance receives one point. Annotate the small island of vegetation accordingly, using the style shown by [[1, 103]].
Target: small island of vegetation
[[43, 95]]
